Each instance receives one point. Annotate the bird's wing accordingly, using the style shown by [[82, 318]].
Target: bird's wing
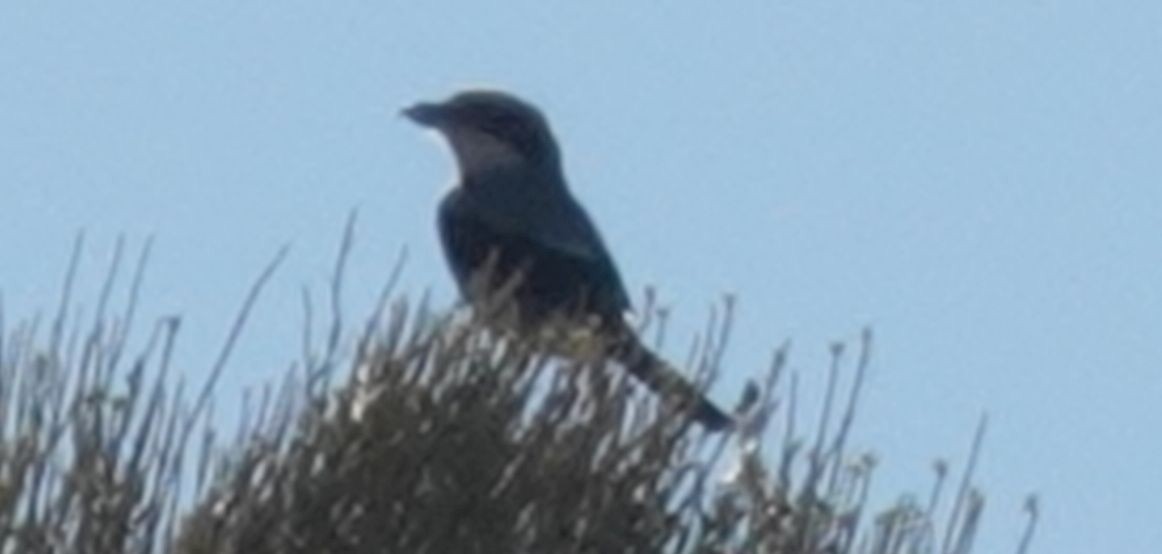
[[542, 211], [567, 259]]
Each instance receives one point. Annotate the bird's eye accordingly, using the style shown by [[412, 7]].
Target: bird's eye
[[505, 125]]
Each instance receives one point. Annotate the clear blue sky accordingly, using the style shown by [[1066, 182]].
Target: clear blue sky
[[979, 181]]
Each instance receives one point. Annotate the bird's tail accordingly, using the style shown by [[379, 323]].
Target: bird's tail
[[667, 382]]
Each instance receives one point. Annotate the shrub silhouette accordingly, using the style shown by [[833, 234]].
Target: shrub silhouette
[[429, 435]]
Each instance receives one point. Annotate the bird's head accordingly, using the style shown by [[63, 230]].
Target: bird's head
[[490, 130]]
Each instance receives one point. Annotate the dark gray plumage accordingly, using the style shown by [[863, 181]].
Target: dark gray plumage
[[513, 220]]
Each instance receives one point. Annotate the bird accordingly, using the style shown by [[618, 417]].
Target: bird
[[511, 227]]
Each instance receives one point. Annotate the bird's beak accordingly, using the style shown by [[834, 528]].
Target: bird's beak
[[426, 114]]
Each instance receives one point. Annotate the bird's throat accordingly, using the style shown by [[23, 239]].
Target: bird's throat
[[478, 154]]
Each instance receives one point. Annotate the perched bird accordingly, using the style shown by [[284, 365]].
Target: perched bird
[[512, 222]]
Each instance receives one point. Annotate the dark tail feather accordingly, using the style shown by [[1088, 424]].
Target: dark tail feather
[[665, 381]]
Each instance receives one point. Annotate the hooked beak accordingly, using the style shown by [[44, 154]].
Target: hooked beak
[[426, 114]]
